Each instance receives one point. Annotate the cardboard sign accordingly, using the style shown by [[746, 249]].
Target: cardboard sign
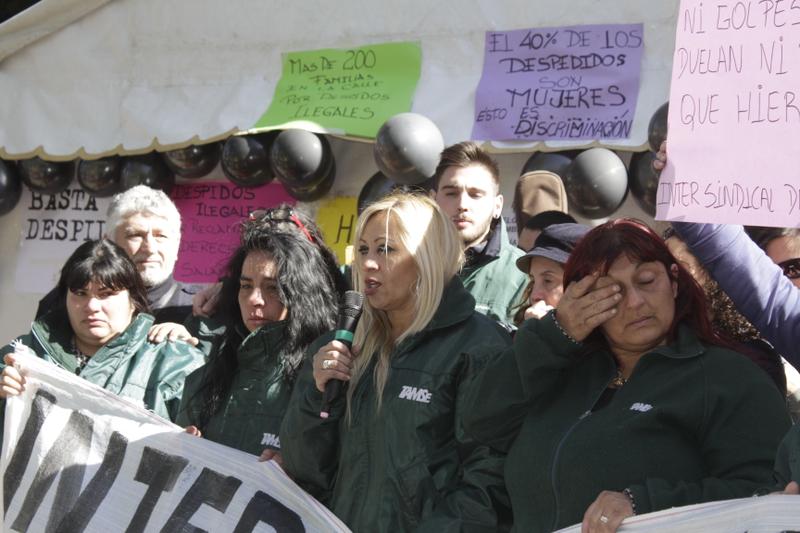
[[211, 214], [350, 90], [567, 83], [734, 115], [78, 458], [337, 220]]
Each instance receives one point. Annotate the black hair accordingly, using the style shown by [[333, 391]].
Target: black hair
[[548, 218], [762, 235], [305, 286], [105, 263]]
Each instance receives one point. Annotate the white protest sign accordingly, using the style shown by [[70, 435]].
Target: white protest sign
[[734, 115], [53, 226], [78, 458]]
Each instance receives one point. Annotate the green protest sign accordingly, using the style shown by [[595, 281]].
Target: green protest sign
[[352, 90]]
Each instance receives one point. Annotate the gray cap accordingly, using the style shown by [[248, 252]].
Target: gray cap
[[556, 242]]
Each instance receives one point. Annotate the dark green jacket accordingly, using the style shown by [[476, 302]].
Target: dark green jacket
[[694, 423], [787, 464], [249, 419], [151, 375], [409, 467], [495, 281]]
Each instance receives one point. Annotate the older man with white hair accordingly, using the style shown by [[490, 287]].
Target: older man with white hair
[[147, 225]]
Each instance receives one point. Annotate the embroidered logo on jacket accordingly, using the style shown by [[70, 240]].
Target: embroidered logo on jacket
[[415, 394], [271, 440], [642, 407]]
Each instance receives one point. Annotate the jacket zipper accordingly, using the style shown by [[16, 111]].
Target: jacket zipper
[[47, 349], [561, 442]]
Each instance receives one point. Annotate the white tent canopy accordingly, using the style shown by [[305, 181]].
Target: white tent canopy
[[87, 78]]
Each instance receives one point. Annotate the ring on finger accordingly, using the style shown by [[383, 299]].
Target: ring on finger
[[328, 363], [604, 519]]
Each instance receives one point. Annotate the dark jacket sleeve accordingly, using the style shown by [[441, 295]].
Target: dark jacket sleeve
[[756, 285], [478, 500], [529, 370], [310, 444], [744, 420]]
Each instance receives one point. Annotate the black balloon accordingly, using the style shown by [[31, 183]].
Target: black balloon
[[10, 187], [555, 162], [313, 193], [46, 177], [379, 186], [194, 161], [245, 159], [407, 148], [596, 183], [148, 169], [100, 177], [657, 129], [643, 181], [301, 159]]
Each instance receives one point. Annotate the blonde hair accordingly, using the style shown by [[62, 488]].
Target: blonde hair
[[434, 244]]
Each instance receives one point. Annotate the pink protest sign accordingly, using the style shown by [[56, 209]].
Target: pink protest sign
[[567, 83], [734, 115], [212, 213]]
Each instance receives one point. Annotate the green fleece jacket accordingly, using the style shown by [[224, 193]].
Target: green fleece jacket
[[495, 281], [409, 466], [249, 418], [128, 365], [694, 423]]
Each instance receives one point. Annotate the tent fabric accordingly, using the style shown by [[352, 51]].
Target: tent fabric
[[91, 78]]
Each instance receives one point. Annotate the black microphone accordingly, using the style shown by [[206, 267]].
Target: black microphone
[[349, 313]]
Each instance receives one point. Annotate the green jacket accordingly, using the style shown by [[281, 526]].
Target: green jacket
[[694, 423], [787, 463], [409, 466], [128, 365], [495, 281], [249, 419]]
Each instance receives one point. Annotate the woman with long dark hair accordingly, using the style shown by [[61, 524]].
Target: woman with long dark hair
[[622, 400], [98, 330], [278, 296]]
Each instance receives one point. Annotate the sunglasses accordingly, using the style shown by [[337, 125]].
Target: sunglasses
[[791, 268], [277, 215]]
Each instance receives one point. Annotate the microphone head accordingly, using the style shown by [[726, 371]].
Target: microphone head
[[351, 304]]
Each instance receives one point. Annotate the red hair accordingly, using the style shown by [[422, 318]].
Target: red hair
[[604, 244]]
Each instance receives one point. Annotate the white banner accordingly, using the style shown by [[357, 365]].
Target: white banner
[[78, 458], [776, 513]]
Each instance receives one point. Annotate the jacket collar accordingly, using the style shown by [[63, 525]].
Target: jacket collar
[[160, 295], [685, 346], [262, 345], [489, 249], [457, 305], [54, 333]]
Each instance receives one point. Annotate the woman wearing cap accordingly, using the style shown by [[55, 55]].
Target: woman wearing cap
[[544, 264], [619, 401]]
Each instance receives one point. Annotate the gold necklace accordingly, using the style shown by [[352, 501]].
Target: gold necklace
[[619, 380]]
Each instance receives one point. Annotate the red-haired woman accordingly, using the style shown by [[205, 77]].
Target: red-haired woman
[[624, 400]]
